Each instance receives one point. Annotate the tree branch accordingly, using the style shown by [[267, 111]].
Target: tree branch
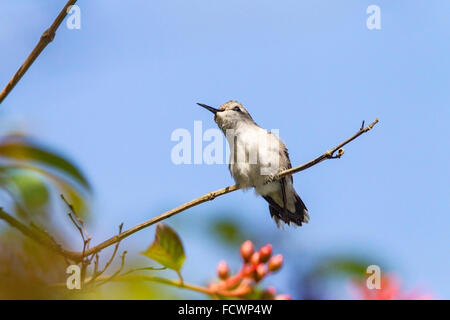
[[35, 235], [330, 154], [170, 282], [45, 39], [212, 195], [236, 293]]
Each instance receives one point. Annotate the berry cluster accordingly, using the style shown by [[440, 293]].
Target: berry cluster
[[256, 266]]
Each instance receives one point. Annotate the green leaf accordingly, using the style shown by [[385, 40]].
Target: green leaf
[[167, 248], [22, 148]]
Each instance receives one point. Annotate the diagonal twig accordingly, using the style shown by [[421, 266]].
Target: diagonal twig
[[35, 234], [212, 195], [79, 223], [330, 154], [45, 39], [115, 274], [98, 273]]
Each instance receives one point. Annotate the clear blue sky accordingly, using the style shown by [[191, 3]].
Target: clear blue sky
[[110, 95]]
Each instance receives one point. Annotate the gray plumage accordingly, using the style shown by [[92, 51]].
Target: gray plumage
[[256, 156]]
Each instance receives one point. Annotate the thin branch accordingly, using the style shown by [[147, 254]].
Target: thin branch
[[212, 195], [180, 277], [80, 223], [97, 273], [77, 226], [143, 269], [175, 283], [330, 154], [115, 274], [45, 39]]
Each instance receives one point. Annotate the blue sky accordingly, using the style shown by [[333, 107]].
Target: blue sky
[[110, 94]]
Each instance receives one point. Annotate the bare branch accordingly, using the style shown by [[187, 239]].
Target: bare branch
[[330, 154], [45, 39], [212, 195], [115, 274], [97, 273], [143, 269], [79, 224], [175, 283]]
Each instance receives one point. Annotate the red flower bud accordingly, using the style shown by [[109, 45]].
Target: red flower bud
[[275, 262], [283, 297], [222, 270], [261, 271], [247, 250], [265, 252], [255, 259]]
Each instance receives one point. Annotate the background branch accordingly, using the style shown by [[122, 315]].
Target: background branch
[[140, 277], [45, 39], [32, 233]]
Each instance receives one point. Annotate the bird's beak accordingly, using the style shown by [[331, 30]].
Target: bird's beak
[[213, 110]]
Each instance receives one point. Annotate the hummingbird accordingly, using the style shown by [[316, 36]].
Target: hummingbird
[[256, 156]]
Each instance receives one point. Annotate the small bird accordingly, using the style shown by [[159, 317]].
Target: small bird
[[256, 156]]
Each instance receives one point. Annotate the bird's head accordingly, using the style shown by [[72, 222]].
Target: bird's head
[[230, 115]]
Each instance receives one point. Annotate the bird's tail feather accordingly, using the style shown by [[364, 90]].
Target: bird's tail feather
[[283, 214]]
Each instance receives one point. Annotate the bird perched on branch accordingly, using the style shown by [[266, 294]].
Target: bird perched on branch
[[256, 156]]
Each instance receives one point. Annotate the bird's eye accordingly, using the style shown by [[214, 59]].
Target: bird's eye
[[237, 109]]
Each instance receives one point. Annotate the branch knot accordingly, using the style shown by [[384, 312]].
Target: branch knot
[[211, 196], [48, 35]]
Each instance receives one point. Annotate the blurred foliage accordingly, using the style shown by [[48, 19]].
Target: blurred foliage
[[20, 147], [228, 231], [29, 170], [341, 265], [32, 174], [26, 268]]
